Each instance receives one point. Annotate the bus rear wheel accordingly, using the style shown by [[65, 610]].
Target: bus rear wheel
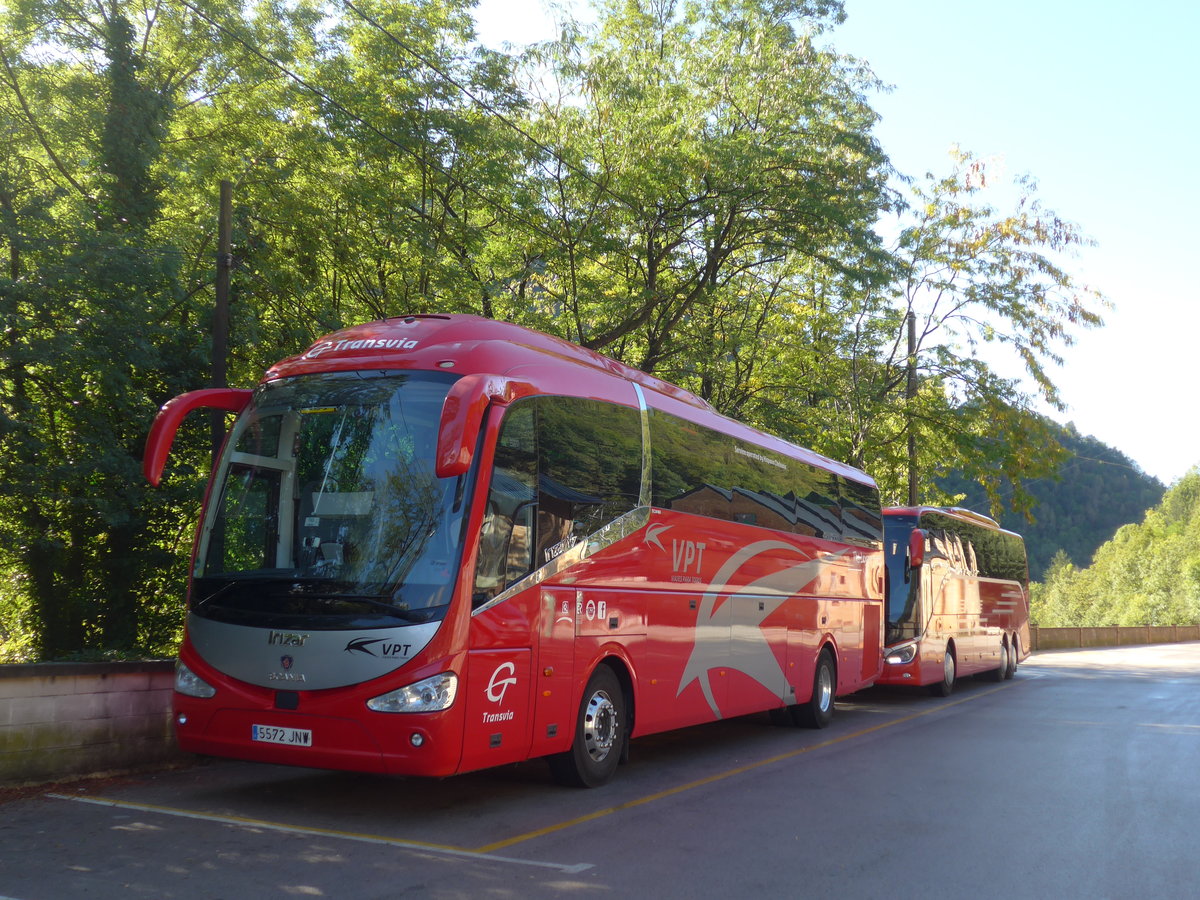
[[818, 711], [599, 734], [1014, 655], [1001, 672]]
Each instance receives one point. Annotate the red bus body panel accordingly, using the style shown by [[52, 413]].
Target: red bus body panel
[[702, 618]]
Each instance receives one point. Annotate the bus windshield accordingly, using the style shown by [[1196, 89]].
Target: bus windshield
[[326, 511]]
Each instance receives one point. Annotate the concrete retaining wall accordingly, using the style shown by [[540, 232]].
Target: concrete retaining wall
[[1111, 636], [64, 720]]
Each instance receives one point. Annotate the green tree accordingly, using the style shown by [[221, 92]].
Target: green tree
[[704, 149], [1075, 510], [692, 187], [1148, 574], [367, 184], [90, 349], [970, 276]]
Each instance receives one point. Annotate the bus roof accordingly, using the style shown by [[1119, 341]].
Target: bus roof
[[958, 512], [469, 345], [460, 343]]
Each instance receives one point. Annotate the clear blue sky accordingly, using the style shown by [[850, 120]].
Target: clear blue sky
[[1096, 101]]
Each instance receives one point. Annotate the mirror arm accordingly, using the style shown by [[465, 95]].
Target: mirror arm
[[462, 417], [173, 412]]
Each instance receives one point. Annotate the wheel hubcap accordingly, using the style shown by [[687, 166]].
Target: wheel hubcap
[[600, 726], [824, 688], [948, 667]]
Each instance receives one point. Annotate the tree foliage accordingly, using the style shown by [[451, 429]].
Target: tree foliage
[[692, 186], [1096, 491], [1148, 574]]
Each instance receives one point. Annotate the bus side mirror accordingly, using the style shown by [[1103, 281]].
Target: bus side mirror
[[462, 417], [173, 412], [916, 549]]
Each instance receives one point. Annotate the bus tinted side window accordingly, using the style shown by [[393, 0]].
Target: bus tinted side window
[[506, 537], [862, 517], [590, 469], [565, 467], [704, 472], [991, 554]]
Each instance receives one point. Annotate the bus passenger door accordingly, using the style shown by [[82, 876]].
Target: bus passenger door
[[554, 704], [872, 631]]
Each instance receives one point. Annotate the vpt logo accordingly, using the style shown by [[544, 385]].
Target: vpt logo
[[504, 676], [387, 649], [685, 555]]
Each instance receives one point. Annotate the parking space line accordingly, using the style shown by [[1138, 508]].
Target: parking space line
[[487, 852], [445, 850], [721, 776]]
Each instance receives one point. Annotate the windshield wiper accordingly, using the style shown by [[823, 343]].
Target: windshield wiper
[[376, 601], [232, 580], [219, 592]]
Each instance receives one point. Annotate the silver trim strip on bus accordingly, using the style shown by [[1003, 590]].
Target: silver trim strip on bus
[[306, 659], [618, 529], [644, 494]]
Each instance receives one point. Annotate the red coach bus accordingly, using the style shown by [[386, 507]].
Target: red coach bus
[[434, 544], [958, 598]]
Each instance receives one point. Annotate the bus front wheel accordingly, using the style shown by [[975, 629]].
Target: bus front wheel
[[599, 734], [818, 711], [949, 668]]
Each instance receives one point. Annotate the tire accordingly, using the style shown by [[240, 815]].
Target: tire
[[818, 711], [600, 734], [999, 674], [1014, 654], [949, 671]]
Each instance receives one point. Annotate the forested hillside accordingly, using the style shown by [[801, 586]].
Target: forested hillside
[[694, 188], [1148, 574], [1096, 491]]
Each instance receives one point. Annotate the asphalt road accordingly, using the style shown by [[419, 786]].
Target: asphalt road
[[1080, 778]]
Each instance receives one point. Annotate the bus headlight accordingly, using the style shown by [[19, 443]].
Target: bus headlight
[[901, 655], [430, 695], [190, 684]]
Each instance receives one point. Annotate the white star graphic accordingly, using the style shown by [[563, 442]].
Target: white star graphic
[[711, 648]]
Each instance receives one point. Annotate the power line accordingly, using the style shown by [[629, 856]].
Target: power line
[[487, 107], [500, 208]]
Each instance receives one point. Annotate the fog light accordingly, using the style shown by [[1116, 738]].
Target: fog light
[[417, 739], [181, 718]]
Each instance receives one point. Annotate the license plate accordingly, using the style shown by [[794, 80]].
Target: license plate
[[272, 734]]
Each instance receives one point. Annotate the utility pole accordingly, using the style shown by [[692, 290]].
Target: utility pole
[[910, 395], [220, 327]]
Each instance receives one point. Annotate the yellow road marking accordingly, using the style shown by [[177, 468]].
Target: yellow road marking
[[721, 776], [488, 851]]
